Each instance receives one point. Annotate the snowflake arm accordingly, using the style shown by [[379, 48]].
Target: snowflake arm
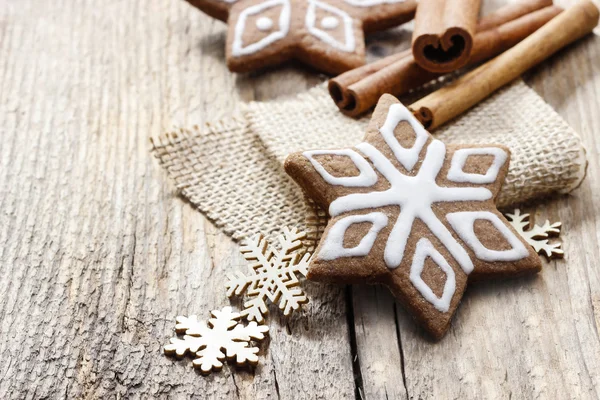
[[180, 347], [537, 235], [250, 331], [188, 325], [519, 221], [359, 201], [546, 230], [223, 319], [237, 283], [290, 240], [302, 266], [257, 250], [210, 358], [239, 338], [459, 194], [292, 301], [433, 161], [243, 353], [550, 250], [396, 243], [256, 308]]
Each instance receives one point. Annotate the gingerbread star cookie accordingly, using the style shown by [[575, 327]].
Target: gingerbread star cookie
[[412, 213], [326, 34]]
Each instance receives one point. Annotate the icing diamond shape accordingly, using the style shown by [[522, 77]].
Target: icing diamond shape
[[366, 177], [335, 245], [406, 156], [348, 45], [239, 48], [463, 223], [457, 174], [424, 250]]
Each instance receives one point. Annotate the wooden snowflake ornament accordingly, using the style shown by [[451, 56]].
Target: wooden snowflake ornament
[[272, 275], [222, 337], [536, 235], [412, 213]]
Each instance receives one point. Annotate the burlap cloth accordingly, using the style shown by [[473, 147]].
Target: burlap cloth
[[232, 170]]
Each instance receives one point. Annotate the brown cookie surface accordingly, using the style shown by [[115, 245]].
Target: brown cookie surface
[[413, 214], [326, 34]]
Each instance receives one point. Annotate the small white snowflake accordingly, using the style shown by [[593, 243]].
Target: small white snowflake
[[536, 235], [213, 342], [273, 275]]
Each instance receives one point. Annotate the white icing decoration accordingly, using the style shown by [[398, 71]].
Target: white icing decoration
[[414, 195], [264, 23], [370, 3], [330, 22], [425, 249], [349, 44], [408, 157], [239, 49], [456, 173], [366, 177], [464, 224], [333, 248]]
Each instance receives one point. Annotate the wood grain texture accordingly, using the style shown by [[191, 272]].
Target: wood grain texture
[[99, 254]]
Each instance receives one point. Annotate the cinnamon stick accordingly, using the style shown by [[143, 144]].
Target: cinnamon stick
[[494, 41], [443, 35], [356, 91], [510, 12], [452, 100]]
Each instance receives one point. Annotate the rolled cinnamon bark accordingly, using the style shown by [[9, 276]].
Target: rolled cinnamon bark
[[494, 41], [510, 12], [454, 99], [356, 91], [341, 90], [443, 36]]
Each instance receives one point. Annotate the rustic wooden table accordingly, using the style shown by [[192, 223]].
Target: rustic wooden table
[[99, 254]]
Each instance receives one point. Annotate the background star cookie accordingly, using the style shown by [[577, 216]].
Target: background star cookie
[[412, 213], [326, 34]]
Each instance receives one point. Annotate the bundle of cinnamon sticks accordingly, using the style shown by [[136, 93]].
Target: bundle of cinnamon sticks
[[448, 48]]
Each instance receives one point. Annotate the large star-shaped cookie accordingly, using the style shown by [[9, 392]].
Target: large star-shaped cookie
[[327, 34], [412, 213]]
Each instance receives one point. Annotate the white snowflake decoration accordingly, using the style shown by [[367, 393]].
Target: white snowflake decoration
[[213, 342], [324, 29], [414, 195], [537, 235], [272, 275]]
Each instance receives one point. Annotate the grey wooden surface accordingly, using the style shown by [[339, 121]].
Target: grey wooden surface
[[99, 254]]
